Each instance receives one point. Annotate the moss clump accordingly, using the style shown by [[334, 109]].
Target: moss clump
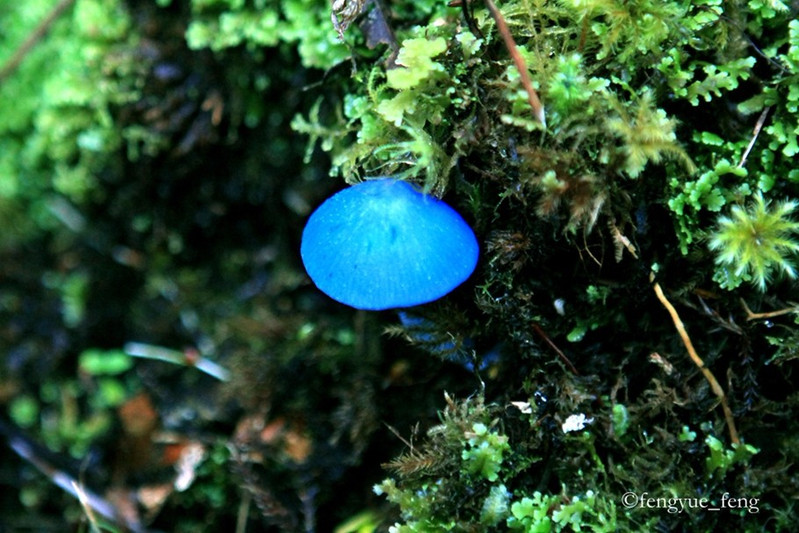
[[58, 130], [755, 243]]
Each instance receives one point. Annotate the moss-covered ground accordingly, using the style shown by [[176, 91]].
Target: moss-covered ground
[[621, 359]]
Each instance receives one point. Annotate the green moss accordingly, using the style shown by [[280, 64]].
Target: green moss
[[639, 158], [670, 137], [58, 130], [484, 453], [722, 459], [222, 24], [755, 243], [647, 135], [531, 514]]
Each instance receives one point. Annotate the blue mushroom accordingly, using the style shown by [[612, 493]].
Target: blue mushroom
[[383, 244]]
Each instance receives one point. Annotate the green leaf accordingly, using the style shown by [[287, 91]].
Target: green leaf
[[415, 57], [104, 362], [24, 411]]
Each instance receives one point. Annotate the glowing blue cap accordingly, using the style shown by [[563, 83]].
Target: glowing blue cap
[[382, 244]]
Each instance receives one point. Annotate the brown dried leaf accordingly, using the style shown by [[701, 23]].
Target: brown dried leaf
[[297, 445], [376, 29], [375, 26], [153, 497], [344, 12], [414, 462], [621, 242], [138, 416]]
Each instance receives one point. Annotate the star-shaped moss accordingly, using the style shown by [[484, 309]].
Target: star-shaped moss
[[755, 242]]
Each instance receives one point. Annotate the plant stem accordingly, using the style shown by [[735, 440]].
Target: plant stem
[[37, 35], [518, 60], [686, 340], [751, 315], [552, 345]]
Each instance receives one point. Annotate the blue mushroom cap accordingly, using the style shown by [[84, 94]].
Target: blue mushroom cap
[[382, 244]]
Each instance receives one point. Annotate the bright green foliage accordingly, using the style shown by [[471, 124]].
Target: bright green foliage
[[399, 119], [767, 9], [784, 133], [787, 344], [303, 24], [728, 173], [587, 511], [626, 28], [417, 120], [417, 508], [429, 484], [703, 193], [104, 362], [753, 244], [687, 435], [70, 415], [707, 80], [416, 58], [722, 459], [545, 513], [569, 90], [414, 81], [24, 411], [462, 453], [531, 514], [485, 451], [234, 28], [621, 420], [363, 522], [57, 129], [782, 95], [646, 136], [220, 24]]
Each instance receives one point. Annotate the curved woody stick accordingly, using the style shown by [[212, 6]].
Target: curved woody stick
[[686, 340], [518, 60]]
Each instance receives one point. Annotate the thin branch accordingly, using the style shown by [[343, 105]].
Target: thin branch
[[686, 340], [92, 502], [552, 345], [188, 357], [518, 60], [758, 126], [244, 512], [396, 433], [751, 315], [33, 39], [83, 498]]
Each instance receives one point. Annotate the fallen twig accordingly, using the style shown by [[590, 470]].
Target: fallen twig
[[686, 340], [518, 60], [552, 345], [187, 357], [758, 126], [751, 315], [93, 503], [37, 35]]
